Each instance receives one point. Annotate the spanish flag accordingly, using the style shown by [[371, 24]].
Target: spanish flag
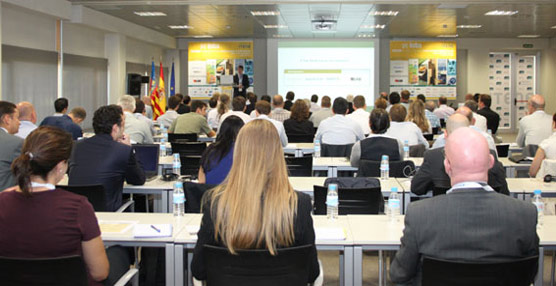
[[158, 96]]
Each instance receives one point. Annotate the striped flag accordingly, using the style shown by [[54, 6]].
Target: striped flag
[[172, 81], [161, 91], [155, 101]]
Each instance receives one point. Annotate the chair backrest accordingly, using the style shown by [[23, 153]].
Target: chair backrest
[[190, 164], [429, 137], [328, 150], [442, 123], [191, 137], [351, 200], [189, 148], [60, 271], [257, 267], [94, 193], [436, 191], [417, 150], [398, 169], [502, 150], [435, 130], [530, 150], [193, 195], [300, 166], [300, 138], [512, 273]]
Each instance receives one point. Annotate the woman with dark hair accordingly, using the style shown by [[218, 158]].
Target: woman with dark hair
[[38, 220], [299, 123], [217, 159]]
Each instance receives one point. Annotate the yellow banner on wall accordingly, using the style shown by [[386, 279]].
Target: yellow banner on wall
[[405, 50], [201, 51]]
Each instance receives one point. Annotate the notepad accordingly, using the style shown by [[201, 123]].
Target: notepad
[[330, 233], [113, 226], [192, 229], [152, 230]]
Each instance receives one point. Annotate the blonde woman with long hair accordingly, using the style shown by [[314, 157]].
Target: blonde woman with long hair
[[223, 106], [417, 115], [256, 207]]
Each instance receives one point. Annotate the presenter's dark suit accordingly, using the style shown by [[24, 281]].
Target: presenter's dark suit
[[244, 82], [468, 224], [432, 174], [11, 149], [101, 160]]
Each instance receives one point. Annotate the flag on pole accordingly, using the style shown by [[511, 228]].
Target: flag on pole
[[157, 111], [161, 91], [172, 82]]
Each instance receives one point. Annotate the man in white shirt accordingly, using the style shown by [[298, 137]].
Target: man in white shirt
[[314, 106], [480, 121], [536, 126], [405, 98], [279, 113], [212, 113], [338, 129], [138, 130], [318, 116], [148, 106], [27, 119], [238, 108], [360, 115], [262, 109], [171, 114], [404, 130], [443, 111], [141, 114]]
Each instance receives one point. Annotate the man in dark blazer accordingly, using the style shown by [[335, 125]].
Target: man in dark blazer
[[493, 119], [241, 82], [63, 121], [11, 144], [106, 158], [471, 222]]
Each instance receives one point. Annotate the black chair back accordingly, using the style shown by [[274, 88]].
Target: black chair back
[[435, 130], [417, 150], [436, 191], [502, 150], [300, 166], [257, 267], [193, 195], [442, 123], [300, 138], [190, 165], [189, 148], [398, 169], [351, 200], [520, 272], [59, 271], [429, 137], [191, 137], [328, 150], [94, 193]]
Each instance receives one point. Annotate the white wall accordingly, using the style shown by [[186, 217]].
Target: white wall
[[22, 28], [83, 41]]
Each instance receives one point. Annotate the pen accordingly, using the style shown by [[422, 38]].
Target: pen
[[154, 227]]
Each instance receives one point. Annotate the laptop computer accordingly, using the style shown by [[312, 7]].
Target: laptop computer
[[147, 154]]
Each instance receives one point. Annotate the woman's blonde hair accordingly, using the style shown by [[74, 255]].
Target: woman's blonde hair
[[255, 207], [416, 115], [224, 104]]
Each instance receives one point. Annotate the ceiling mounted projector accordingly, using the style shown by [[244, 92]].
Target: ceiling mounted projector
[[324, 23]]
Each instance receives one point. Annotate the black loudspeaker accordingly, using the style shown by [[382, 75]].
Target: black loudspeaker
[[134, 84], [145, 79]]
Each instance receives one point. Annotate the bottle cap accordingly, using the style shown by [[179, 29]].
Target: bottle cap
[[333, 187], [178, 185], [384, 157], [317, 141], [406, 141], [394, 190], [176, 155], [537, 192]]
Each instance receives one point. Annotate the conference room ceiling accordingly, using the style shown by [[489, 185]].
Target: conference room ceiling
[[354, 19]]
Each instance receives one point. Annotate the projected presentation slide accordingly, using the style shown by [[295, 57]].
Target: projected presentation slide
[[335, 69]]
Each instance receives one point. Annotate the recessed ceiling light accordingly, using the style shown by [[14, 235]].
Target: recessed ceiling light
[[384, 13], [203, 36], [265, 13], [149, 14], [469, 26], [553, 27], [501, 13], [176, 27], [447, 36], [377, 26], [275, 26], [366, 35], [282, 36], [528, 36]]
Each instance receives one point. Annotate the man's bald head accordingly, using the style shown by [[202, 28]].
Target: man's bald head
[[467, 112], [278, 101], [430, 105], [467, 156], [456, 121], [27, 112], [536, 102]]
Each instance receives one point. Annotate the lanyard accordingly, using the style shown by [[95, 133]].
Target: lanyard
[[471, 185], [38, 185]]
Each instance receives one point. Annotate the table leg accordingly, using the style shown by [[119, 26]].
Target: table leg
[[169, 264], [178, 265], [380, 265], [164, 202], [342, 268], [357, 266], [539, 278], [189, 275]]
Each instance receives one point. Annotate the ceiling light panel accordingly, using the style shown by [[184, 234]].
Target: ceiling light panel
[[275, 26], [150, 14], [180, 27], [529, 36], [377, 26], [384, 13], [469, 26], [265, 13], [501, 13], [447, 36]]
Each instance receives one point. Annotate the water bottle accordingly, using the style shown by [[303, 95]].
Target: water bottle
[[164, 132], [179, 200], [162, 147], [316, 153], [332, 202], [394, 205], [539, 203], [384, 168], [406, 149], [176, 164]]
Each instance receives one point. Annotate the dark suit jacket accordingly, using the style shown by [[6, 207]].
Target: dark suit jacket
[[295, 127], [288, 105], [183, 109], [11, 149], [244, 82], [470, 225], [303, 232], [493, 119], [432, 174], [64, 122], [101, 160]]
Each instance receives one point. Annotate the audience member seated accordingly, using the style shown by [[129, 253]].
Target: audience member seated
[[349, 99], [416, 114], [324, 112], [262, 111], [171, 114], [377, 144], [252, 101], [272, 214], [61, 120], [381, 103], [78, 115], [223, 106], [404, 97], [546, 150], [314, 106], [183, 107], [290, 96], [393, 98], [432, 172], [11, 145], [253, 113], [360, 114], [403, 130], [148, 106], [433, 119], [40, 221], [238, 109], [470, 223], [298, 124], [212, 113], [27, 119], [193, 122], [493, 119], [480, 121], [278, 111], [106, 158], [443, 111], [139, 131], [533, 128], [140, 114], [217, 159], [338, 129]]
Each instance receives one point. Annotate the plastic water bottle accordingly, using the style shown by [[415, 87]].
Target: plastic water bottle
[[164, 132], [539, 203], [162, 147], [179, 200], [316, 153], [176, 164], [406, 149], [332, 202], [384, 168], [394, 205]]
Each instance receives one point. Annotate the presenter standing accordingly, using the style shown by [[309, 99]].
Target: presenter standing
[[241, 82]]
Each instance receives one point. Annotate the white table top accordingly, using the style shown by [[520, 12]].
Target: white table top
[[528, 185], [375, 230], [305, 184], [331, 161], [306, 147]]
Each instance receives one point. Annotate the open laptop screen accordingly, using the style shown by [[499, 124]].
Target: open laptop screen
[[147, 154]]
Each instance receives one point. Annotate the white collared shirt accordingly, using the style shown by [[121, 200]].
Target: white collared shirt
[[25, 127], [167, 118], [362, 118], [443, 111], [407, 131], [339, 130], [279, 127], [534, 128], [549, 146]]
